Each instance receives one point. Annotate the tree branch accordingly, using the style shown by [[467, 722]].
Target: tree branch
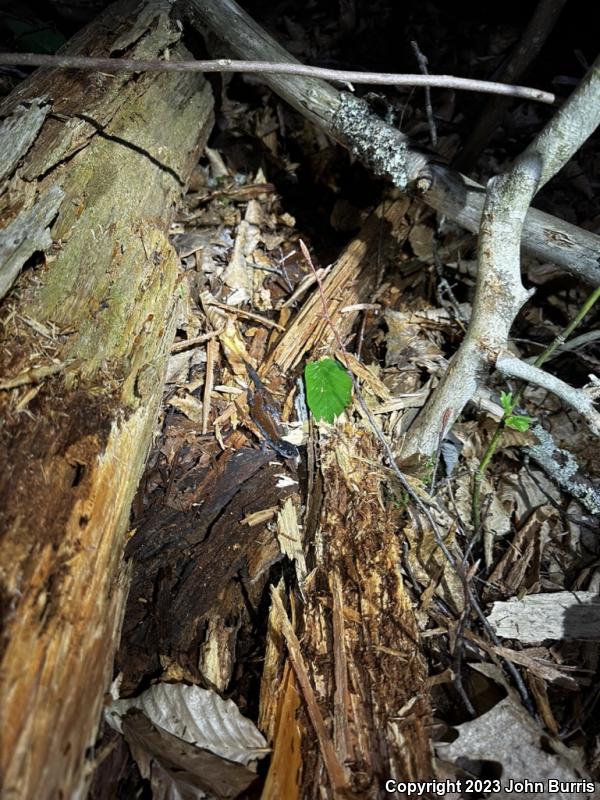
[[284, 68], [578, 399], [385, 150], [500, 294]]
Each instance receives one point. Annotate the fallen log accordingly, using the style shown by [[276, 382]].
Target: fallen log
[[96, 165]]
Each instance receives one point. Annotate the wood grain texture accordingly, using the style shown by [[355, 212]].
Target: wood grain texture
[[358, 642], [99, 299]]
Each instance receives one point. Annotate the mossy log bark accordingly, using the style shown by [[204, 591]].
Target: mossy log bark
[[93, 168]]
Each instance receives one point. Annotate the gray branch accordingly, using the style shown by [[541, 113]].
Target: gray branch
[[500, 294], [112, 65], [561, 467], [578, 399]]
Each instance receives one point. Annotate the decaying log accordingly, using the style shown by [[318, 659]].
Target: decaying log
[[359, 638], [196, 569], [353, 279], [99, 164], [359, 648], [202, 569]]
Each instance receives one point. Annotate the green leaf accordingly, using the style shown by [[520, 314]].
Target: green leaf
[[506, 400], [328, 388], [518, 422]]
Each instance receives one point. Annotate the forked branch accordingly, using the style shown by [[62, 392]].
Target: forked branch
[[500, 293]]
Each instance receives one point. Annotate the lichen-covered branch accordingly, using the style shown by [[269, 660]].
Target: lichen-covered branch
[[500, 293], [561, 467]]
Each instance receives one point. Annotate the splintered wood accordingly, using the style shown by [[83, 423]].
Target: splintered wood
[[355, 654], [350, 282], [90, 327]]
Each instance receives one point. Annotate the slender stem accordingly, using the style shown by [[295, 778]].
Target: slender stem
[[496, 438], [483, 465], [423, 64], [562, 337], [256, 67]]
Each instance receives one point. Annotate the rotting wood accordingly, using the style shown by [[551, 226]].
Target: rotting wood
[[120, 149], [352, 280], [358, 632], [359, 640], [285, 766], [196, 569], [562, 616], [194, 560]]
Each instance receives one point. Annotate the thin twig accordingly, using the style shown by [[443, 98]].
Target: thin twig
[[112, 65], [457, 670], [240, 312], [212, 348], [578, 399], [423, 64], [186, 344]]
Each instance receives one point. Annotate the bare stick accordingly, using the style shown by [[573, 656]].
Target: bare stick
[[186, 344], [240, 312], [500, 293], [112, 65], [385, 150], [423, 64], [578, 399], [212, 349], [534, 36]]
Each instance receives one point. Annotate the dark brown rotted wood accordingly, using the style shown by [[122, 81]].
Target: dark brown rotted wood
[[95, 167], [199, 574]]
